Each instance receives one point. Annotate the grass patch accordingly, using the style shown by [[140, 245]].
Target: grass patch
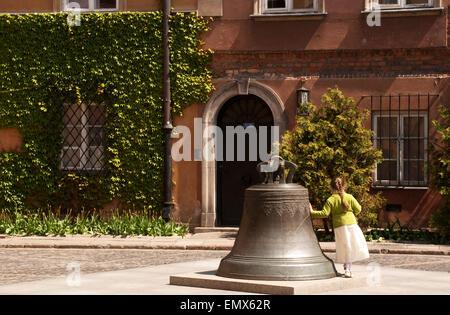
[[43, 223]]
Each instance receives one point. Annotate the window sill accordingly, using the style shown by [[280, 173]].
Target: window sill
[[408, 12], [289, 16], [185, 11], [80, 172], [401, 187], [93, 11]]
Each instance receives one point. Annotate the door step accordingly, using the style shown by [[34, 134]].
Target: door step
[[201, 229]]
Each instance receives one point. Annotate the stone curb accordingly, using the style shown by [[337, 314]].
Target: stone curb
[[191, 242], [398, 248], [204, 247], [401, 251]]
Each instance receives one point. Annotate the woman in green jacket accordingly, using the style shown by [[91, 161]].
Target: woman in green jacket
[[350, 242]]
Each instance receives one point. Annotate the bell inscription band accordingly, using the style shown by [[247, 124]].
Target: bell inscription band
[[276, 240]]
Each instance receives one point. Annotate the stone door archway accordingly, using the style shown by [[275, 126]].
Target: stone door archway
[[210, 114]]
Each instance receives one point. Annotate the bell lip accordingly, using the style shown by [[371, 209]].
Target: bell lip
[[265, 278], [324, 267]]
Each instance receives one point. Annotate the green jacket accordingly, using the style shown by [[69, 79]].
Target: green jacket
[[334, 206]]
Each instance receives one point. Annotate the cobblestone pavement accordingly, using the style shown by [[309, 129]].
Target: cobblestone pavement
[[20, 265]]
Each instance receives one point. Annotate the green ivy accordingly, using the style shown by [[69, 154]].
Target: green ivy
[[111, 58]]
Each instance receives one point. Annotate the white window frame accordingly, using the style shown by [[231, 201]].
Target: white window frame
[[65, 7], [401, 4], [84, 146], [401, 149], [289, 7]]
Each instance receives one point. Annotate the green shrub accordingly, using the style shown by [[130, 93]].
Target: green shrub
[[332, 141], [440, 172], [441, 219], [394, 231]]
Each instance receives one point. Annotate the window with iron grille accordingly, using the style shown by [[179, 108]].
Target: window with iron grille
[[403, 140], [83, 137], [400, 125]]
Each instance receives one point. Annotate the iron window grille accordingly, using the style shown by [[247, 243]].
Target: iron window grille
[[83, 137], [400, 124]]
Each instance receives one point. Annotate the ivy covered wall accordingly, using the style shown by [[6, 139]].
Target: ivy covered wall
[[114, 59]]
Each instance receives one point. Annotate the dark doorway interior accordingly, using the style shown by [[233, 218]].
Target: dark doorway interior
[[233, 177]]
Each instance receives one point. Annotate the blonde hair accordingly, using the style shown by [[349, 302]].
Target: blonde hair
[[339, 186]]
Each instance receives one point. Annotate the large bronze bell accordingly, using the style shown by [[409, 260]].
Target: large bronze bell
[[276, 240]]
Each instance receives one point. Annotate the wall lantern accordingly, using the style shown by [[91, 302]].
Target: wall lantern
[[303, 102]]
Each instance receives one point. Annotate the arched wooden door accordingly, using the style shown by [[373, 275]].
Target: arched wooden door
[[233, 177]]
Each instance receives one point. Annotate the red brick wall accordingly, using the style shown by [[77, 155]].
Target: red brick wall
[[12, 6], [10, 140], [347, 63], [344, 28]]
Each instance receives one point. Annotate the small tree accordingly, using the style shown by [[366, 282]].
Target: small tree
[[440, 171], [332, 141]]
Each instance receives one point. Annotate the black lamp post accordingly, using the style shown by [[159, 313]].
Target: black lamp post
[[302, 102], [167, 125]]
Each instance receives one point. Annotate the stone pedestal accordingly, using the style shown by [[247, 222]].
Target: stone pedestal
[[208, 279]]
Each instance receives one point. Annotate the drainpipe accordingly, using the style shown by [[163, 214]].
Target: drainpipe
[[167, 126]]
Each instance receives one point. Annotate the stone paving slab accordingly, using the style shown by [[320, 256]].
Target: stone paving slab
[[200, 241], [155, 280], [208, 279], [29, 264], [152, 280]]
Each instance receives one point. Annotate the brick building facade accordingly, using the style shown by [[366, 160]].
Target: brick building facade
[[404, 62], [265, 50]]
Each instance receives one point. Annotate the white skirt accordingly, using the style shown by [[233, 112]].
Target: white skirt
[[350, 244]]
